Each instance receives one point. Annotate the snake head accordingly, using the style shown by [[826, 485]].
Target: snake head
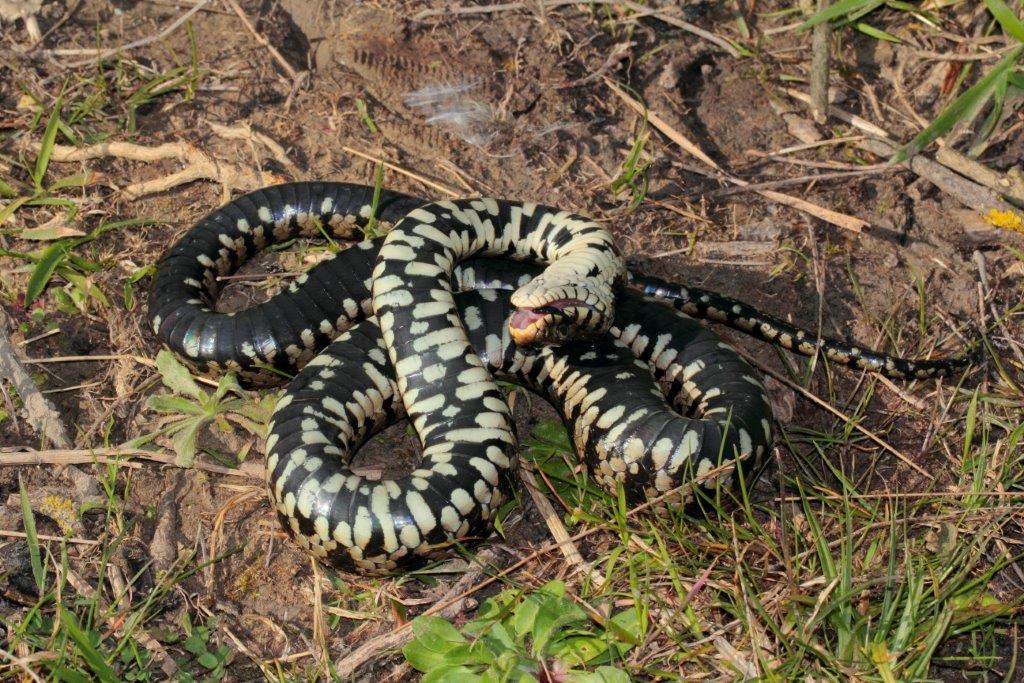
[[555, 322]]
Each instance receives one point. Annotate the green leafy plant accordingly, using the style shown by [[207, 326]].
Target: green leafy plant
[[191, 408], [59, 259], [547, 448], [540, 635], [212, 659]]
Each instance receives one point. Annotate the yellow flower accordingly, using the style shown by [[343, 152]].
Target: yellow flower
[[1007, 220]]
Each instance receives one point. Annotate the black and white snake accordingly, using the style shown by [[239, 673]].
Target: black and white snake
[[434, 352]]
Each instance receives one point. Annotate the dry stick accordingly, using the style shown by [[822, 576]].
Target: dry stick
[[103, 54], [550, 4], [842, 140], [800, 180], [68, 456], [108, 356], [398, 169], [834, 217], [43, 417], [1004, 184], [282, 62], [448, 606], [22, 663], [68, 13], [46, 537], [244, 131], [557, 529], [403, 633], [968, 193], [820, 48]]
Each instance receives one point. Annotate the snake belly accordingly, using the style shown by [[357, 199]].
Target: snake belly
[[709, 413]]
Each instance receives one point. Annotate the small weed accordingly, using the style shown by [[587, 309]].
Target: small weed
[[537, 635], [633, 176], [212, 659], [192, 408], [40, 193]]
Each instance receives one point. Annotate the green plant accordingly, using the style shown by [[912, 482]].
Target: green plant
[[992, 88], [540, 635], [40, 193], [371, 230], [633, 175], [193, 408], [551, 451], [59, 259], [211, 658]]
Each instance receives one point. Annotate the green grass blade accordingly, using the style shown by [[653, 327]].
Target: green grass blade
[[43, 271], [92, 656], [876, 33], [77, 180], [840, 9], [15, 204], [32, 539], [1006, 18], [46, 147], [960, 107]]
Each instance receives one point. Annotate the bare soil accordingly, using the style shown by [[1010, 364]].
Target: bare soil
[[553, 133]]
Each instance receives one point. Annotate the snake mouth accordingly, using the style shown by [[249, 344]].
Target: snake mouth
[[524, 317]]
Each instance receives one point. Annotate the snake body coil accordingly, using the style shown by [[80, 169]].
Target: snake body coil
[[442, 366]]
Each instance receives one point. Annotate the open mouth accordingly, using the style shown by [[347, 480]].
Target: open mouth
[[523, 318]]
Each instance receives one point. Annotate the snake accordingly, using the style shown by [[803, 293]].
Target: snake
[[394, 296]]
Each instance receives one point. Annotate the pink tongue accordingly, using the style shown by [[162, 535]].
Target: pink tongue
[[522, 318]]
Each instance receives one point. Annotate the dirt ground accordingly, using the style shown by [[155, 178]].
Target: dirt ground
[[527, 115]]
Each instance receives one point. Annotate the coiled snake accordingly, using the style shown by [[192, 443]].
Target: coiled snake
[[709, 413]]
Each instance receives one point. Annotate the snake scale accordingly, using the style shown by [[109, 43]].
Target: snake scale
[[656, 404]]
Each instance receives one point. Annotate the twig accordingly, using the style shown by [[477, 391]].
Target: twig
[[842, 140], [834, 217], [22, 663], [852, 119], [68, 13], [160, 35], [1004, 184], [41, 414], [68, 456], [953, 56], [451, 604], [968, 193], [406, 172], [244, 131], [448, 606], [45, 537], [820, 49], [557, 529], [261, 39], [799, 180], [741, 251], [840, 414]]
